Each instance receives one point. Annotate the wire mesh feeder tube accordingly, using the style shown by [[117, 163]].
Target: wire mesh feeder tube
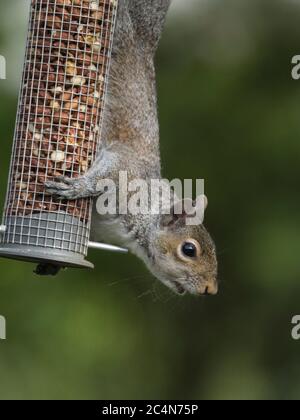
[[58, 128]]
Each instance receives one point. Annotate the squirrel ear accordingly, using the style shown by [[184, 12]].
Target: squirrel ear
[[183, 210], [171, 218], [203, 200]]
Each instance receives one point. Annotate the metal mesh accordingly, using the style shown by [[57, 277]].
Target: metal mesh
[[59, 120]]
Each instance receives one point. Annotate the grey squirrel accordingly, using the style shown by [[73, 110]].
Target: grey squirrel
[[182, 257]]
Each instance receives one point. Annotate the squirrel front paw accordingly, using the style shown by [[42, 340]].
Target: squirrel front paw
[[67, 188]]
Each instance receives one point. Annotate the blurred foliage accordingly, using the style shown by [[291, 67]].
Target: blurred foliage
[[229, 113]]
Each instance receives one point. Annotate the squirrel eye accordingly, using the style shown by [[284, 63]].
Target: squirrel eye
[[189, 250]]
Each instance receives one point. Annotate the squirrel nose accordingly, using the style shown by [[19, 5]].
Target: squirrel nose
[[211, 289]]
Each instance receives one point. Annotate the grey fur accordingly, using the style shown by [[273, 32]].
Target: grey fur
[[130, 143]]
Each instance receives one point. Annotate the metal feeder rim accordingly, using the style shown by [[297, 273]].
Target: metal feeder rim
[[36, 254]]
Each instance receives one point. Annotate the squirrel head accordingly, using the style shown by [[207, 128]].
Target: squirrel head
[[183, 256]]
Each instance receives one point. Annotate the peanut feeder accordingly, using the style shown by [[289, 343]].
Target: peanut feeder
[[58, 127]]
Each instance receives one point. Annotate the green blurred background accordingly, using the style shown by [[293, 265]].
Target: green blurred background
[[230, 113]]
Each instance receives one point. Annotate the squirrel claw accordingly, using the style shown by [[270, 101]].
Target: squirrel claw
[[65, 180], [65, 188]]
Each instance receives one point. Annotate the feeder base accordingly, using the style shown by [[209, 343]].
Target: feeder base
[[36, 254]]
